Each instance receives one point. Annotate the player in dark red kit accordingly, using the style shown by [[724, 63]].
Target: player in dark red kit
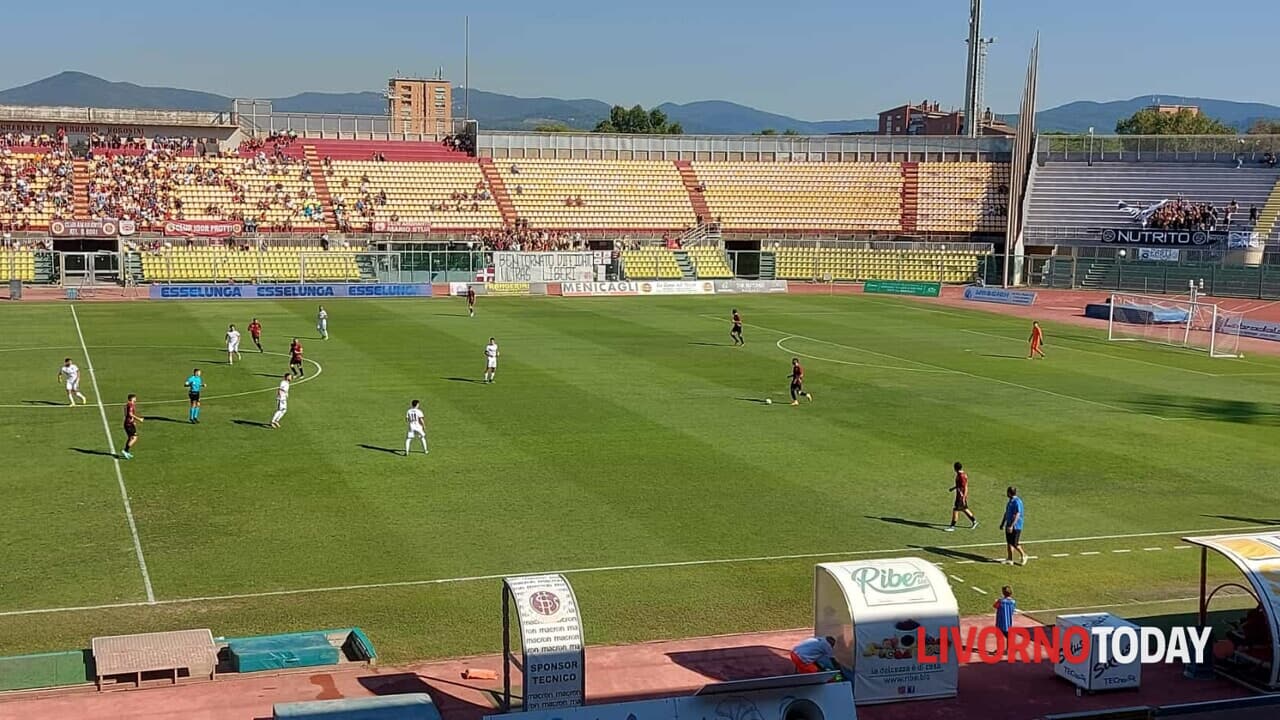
[[797, 383], [736, 332], [255, 332], [961, 505], [295, 357], [131, 421], [471, 301]]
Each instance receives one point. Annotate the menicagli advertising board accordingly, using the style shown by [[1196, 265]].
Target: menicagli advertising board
[[282, 291], [638, 287]]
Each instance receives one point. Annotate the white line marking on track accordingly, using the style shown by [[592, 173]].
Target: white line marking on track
[[115, 460], [1020, 386], [616, 568]]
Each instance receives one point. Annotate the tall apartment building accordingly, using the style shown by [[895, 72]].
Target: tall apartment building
[[420, 106]]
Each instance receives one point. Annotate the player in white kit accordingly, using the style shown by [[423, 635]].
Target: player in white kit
[[233, 344], [322, 323], [71, 375], [417, 427], [490, 360], [282, 400]]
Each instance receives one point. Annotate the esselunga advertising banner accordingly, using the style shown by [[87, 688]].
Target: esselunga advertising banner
[[285, 291], [1002, 296]]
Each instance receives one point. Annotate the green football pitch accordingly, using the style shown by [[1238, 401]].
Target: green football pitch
[[625, 441]]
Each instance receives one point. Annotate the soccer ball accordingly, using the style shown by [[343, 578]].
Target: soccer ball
[[768, 401]]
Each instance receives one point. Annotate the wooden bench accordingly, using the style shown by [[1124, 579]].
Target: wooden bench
[[162, 652]]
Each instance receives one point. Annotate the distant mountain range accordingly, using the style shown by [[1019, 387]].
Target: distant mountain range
[[506, 112]]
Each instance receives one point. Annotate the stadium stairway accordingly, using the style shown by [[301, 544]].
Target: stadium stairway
[[768, 266], [394, 150], [686, 265], [321, 184], [696, 197], [1270, 212], [498, 188], [80, 188], [910, 196]]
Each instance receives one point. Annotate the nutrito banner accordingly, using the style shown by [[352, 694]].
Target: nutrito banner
[[202, 228], [734, 287], [999, 295], [287, 291], [901, 287], [1137, 236]]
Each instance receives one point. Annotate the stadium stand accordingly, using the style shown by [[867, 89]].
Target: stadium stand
[[710, 262], [597, 194], [448, 195], [210, 263], [803, 196], [962, 197], [18, 264], [809, 262], [35, 188], [651, 262], [1075, 196], [157, 186]]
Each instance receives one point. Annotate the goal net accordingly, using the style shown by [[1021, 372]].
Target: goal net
[[1203, 327]]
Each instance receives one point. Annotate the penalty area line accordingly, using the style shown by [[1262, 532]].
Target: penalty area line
[[604, 569]]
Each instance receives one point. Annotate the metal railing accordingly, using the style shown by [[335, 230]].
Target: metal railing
[[1250, 149]]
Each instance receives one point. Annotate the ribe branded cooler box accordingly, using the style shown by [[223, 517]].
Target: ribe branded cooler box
[[1092, 674]]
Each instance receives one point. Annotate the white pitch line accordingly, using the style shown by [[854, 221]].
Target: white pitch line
[[111, 444], [1109, 356], [957, 578], [1091, 552], [1152, 549], [1181, 547], [978, 589], [1121, 551], [1020, 386], [611, 568], [1061, 555], [857, 364]]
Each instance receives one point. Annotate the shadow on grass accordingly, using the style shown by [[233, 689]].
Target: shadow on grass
[[49, 403], [252, 423], [99, 453], [462, 380], [210, 362], [375, 448], [1249, 520], [758, 401], [1245, 412], [1005, 357], [904, 521], [955, 554], [161, 418], [707, 344]]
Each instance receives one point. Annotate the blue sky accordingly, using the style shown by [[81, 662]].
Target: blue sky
[[816, 60]]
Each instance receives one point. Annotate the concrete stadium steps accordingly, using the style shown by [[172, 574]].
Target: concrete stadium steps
[[910, 196], [321, 184], [1270, 212], [498, 188], [1074, 195], [80, 194], [696, 197]]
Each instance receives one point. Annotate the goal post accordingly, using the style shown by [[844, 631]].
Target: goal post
[[1174, 322]]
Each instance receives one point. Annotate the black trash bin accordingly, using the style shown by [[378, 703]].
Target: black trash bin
[[15, 289]]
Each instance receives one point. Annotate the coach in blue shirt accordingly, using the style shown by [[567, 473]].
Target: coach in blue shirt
[[1014, 514], [814, 655]]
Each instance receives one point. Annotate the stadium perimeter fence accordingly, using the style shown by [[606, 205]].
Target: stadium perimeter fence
[[1104, 269]]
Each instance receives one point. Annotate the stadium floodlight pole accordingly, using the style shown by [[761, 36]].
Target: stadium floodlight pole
[[466, 72]]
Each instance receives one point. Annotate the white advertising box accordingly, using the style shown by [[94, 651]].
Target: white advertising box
[[874, 609], [1092, 674]]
